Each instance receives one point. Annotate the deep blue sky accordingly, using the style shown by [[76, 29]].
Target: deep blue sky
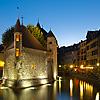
[[68, 19]]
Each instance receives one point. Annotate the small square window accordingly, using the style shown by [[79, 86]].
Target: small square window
[[32, 65], [8, 65], [17, 52], [50, 42]]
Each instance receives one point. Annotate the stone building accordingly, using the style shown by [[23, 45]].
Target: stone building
[[93, 49], [27, 62], [67, 55], [81, 53]]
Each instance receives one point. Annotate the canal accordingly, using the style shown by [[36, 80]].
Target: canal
[[69, 88]]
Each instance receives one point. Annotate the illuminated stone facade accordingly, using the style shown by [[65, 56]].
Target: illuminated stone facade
[[27, 62]]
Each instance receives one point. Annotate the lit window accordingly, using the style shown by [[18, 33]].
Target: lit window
[[17, 52], [1, 63], [17, 37], [8, 65], [32, 65], [21, 37], [21, 52]]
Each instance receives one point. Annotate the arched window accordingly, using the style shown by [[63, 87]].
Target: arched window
[[32, 65], [17, 37], [17, 52]]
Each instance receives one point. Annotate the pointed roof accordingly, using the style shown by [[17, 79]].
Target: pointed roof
[[50, 34], [17, 25], [41, 29], [28, 40]]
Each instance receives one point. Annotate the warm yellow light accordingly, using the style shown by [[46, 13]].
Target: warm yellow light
[[97, 64], [41, 77], [71, 66], [17, 37], [26, 84], [97, 96], [71, 87], [89, 67], [59, 78], [17, 52], [81, 66], [59, 85], [1, 63], [81, 90], [75, 69], [59, 65], [32, 65], [43, 82]]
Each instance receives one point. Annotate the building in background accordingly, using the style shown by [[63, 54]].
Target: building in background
[[93, 49], [82, 53]]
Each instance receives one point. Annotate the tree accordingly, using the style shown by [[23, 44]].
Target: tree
[[37, 34], [7, 35]]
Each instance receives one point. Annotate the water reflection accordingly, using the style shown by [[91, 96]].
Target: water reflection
[[45, 92], [71, 88], [65, 89], [97, 96]]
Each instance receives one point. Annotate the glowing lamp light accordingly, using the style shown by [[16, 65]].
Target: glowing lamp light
[[59, 65], [81, 66], [1, 63], [43, 82], [75, 69], [71, 66], [41, 76], [97, 64]]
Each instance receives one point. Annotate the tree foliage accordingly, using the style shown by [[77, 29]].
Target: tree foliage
[[37, 34], [7, 35]]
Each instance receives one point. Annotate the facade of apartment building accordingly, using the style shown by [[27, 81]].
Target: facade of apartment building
[[93, 49]]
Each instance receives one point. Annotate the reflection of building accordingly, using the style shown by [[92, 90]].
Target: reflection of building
[[44, 92], [27, 62]]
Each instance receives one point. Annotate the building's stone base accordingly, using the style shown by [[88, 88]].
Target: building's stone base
[[25, 82]]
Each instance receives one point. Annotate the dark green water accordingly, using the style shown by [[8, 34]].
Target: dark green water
[[66, 89]]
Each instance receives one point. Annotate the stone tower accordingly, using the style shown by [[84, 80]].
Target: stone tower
[[17, 48], [52, 47]]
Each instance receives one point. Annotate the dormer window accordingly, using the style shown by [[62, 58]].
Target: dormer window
[[17, 52], [17, 37]]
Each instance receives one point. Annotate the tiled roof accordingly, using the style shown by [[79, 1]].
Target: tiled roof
[[28, 40]]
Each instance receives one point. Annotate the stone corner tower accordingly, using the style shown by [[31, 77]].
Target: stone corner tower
[[52, 48]]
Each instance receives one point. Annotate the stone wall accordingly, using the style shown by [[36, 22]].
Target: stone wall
[[9, 71], [52, 47], [39, 60]]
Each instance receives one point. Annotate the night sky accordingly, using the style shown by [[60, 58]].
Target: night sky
[[68, 19]]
